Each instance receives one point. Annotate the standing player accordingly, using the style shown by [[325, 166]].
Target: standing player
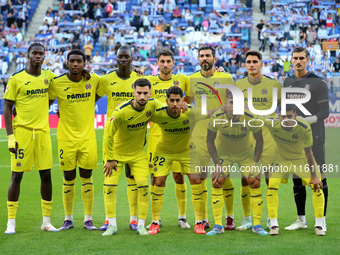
[[77, 145], [262, 99], [159, 87], [293, 155], [117, 86], [202, 82], [235, 146], [28, 134], [318, 106], [124, 144], [174, 145]]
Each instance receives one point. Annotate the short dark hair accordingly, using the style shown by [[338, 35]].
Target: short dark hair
[[229, 94], [166, 52], [142, 82], [289, 107], [35, 44], [207, 47], [300, 49], [254, 53], [76, 52], [174, 90], [124, 47]]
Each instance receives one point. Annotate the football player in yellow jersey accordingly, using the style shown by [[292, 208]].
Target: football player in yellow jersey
[[77, 145], [294, 155], [117, 86], [202, 82], [235, 146], [28, 134], [159, 87], [262, 99], [124, 144], [174, 145]]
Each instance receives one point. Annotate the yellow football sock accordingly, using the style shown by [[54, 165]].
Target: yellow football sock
[[157, 202], [181, 195], [245, 200], [110, 199], [87, 194], [273, 197], [143, 196], [132, 194], [12, 209], [217, 205], [256, 205], [197, 201], [68, 196], [46, 208], [318, 203], [228, 195], [205, 198]]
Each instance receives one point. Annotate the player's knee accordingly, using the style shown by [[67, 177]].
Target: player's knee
[[17, 177], [195, 181], [159, 181], [179, 179], [70, 175], [85, 173], [45, 175], [244, 182]]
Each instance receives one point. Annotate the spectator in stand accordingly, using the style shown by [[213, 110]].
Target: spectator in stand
[[154, 68], [334, 30], [103, 42], [322, 33], [198, 22], [336, 66], [259, 28], [189, 18], [242, 71], [57, 67], [96, 58], [146, 21], [20, 62], [176, 13], [329, 22], [88, 48], [233, 67], [98, 12], [169, 6]]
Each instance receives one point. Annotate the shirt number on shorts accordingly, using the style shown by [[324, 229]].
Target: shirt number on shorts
[[21, 154], [161, 160], [61, 154]]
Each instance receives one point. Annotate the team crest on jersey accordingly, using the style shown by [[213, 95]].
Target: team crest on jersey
[[112, 118], [264, 92], [18, 164], [176, 83], [62, 163], [155, 169], [7, 88], [186, 122], [307, 86], [243, 129], [148, 114], [150, 165], [46, 82], [295, 136], [88, 86]]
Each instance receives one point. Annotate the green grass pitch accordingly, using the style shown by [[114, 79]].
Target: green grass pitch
[[29, 239]]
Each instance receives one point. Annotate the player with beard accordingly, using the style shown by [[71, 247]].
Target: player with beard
[[159, 86], [202, 82]]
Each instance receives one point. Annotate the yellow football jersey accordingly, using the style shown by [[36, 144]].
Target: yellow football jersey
[[175, 136], [30, 94], [127, 127], [262, 92], [116, 89], [291, 144], [159, 89], [76, 102], [200, 85], [235, 136]]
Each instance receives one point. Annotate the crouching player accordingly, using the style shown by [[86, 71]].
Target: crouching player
[[174, 145], [234, 146], [294, 155]]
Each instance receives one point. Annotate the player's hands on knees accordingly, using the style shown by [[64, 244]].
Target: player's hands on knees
[[185, 107], [109, 165], [138, 71], [12, 143], [86, 74], [315, 183], [218, 173]]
